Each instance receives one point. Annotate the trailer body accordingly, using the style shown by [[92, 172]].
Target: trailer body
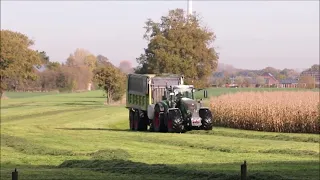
[[146, 89]]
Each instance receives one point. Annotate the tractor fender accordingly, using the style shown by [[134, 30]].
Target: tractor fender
[[170, 109], [151, 108], [150, 111], [162, 106], [204, 108]]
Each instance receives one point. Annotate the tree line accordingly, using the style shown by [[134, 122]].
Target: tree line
[[24, 69], [178, 44]]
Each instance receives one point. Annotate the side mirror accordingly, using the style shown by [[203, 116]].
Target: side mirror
[[205, 93]]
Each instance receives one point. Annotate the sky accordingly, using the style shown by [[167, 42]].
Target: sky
[[249, 34]]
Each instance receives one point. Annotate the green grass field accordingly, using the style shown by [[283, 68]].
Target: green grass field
[[75, 136]]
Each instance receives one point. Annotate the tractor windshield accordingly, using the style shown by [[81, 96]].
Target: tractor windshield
[[184, 92]]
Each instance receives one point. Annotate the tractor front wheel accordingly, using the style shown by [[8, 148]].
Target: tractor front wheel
[[207, 119]]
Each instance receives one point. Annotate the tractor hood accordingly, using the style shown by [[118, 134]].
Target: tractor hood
[[190, 104], [192, 110]]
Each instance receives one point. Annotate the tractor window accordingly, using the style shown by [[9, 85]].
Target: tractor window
[[187, 93]]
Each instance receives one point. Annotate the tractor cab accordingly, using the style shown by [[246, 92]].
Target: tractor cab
[[180, 91]]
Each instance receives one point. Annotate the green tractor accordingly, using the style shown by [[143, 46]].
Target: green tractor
[[164, 104], [179, 112]]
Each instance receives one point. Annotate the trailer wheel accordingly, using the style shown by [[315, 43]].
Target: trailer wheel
[[206, 117], [175, 121], [131, 119], [139, 121], [136, 120], [144, 122]]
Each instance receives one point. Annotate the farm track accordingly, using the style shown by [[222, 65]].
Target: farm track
[[76, 137]]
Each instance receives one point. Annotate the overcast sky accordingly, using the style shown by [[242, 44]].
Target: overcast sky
[[249, 34]]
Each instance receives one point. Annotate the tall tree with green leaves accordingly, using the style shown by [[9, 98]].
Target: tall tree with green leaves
[[112, 80], [17, 60], [179, 45]]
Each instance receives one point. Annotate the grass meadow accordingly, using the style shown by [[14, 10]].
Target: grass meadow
[[75, 136]]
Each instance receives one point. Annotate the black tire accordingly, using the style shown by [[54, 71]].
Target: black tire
[[144, 122], [207, 119], [158, 120], [175, 121], [139, 121], [136, 119], [131, 119]]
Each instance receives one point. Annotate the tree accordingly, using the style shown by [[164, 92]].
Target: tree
[[125, 66], [260, 80], [17, 60], [44, 58], [90, 61], [307, 81], [80, 55], [71, 61], [179, 45], [247, 81], [112, 80], [53, 66], [315, 67], [102, 61], [239, 80]]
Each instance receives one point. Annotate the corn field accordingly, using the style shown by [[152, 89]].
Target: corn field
[[268, 111]]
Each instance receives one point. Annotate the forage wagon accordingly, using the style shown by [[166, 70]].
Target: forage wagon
[[162, 103]]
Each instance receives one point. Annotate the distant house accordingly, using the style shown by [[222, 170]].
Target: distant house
[[232, 85], [288, 83], [270, 80]]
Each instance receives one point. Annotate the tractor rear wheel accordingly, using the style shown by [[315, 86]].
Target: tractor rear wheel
[[175, 121], [158, 120], [207, 120]]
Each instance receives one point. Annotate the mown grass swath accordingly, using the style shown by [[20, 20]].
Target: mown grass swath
[[296, 112], [76, 137]]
